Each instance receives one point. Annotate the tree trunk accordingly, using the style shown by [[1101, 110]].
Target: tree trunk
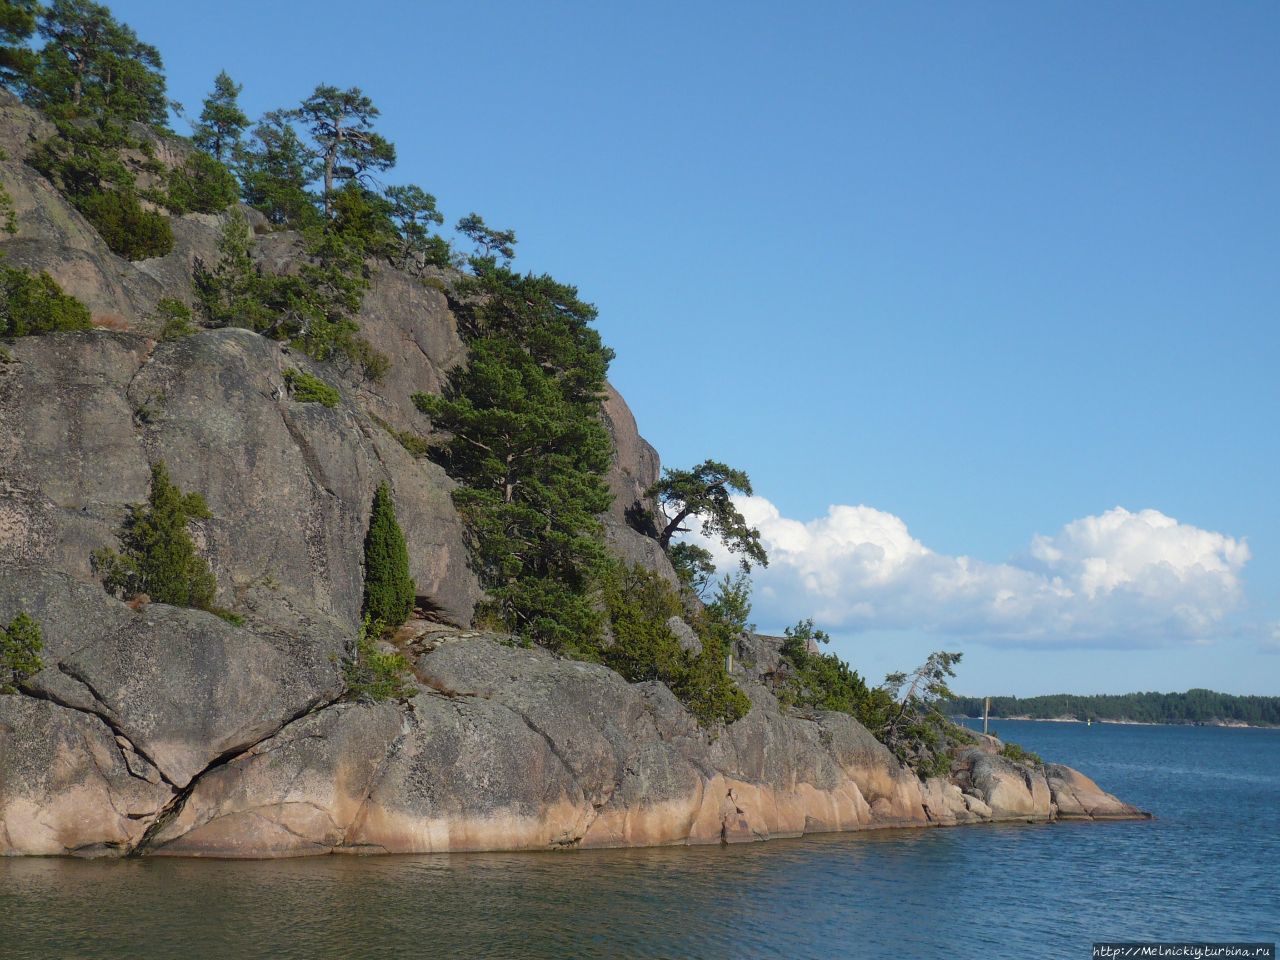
[[664, 539]]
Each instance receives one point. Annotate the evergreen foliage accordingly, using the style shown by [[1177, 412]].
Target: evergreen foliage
[[8, 213], [35, 304], [305, 388], [915, 728], [222, 123], [201, 185], [341, 125], [20, 648], [373, 676], [1193, 706], [312, 309], [175, 319], [275, 169], [233, 292], [694, 565], [84, 161], [17, 26], [91, 65], [157, 555], [413, 211], [1014, 752], [706, 492], [823, 681], [127, 228], [525, 439], [640, 605], [388, 589], [490, 244]]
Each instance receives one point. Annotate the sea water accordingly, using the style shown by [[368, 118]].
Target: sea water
[[1207, 868]]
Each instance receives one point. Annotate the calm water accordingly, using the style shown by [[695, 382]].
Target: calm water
[[1205, 870]]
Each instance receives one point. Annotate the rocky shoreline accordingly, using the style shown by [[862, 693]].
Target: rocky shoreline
[[503, 748]]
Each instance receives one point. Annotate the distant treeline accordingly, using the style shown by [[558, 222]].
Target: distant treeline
[[1194, 706]]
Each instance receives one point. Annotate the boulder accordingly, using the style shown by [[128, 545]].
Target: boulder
[[65, 784], [945, 804], [1012, 791], [297, 793], [1079, 798], [685, 635], [183, 687]]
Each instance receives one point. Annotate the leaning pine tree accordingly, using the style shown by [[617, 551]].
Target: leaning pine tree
[[388, 588]]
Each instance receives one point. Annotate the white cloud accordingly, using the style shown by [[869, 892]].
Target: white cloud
[[1120, 578]]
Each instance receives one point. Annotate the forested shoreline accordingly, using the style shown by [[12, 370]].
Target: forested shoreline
[[1194, 706]]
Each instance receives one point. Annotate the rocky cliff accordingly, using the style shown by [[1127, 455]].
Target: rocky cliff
[[169, 731]]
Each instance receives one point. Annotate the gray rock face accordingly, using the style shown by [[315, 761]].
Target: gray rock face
[[159, 730], [635, 463], [290, 485], [634, 469], [182, 687], [65, 785], [513, 748], [409, 322]]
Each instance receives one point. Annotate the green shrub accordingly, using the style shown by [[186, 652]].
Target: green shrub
[[20, 648], [8, 215], [201, 185], [389, 591], [175, 319], [158, 557], [313, 309], [34, 304], [822, 681], [305, 388], [129, 230], [640, 603], [1014, 752], [373, 676], [416, 444]]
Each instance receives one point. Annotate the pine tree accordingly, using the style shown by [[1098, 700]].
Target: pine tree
[[158, 556], [93, 65], [222, 122], [20, 647], [17, 24], [490, 243], [341, 124], [389, 591], [275, 169], [414, 212], [529, 448], [706, 492]]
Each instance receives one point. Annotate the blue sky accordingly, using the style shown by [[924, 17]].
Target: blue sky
[[987, 269]]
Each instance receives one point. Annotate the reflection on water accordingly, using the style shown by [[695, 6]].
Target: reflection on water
[[1204, 870]]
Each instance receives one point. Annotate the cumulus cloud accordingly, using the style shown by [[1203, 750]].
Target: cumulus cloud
[[1119, 578]]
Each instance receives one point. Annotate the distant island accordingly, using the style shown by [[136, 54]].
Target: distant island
[[1194, 706]]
